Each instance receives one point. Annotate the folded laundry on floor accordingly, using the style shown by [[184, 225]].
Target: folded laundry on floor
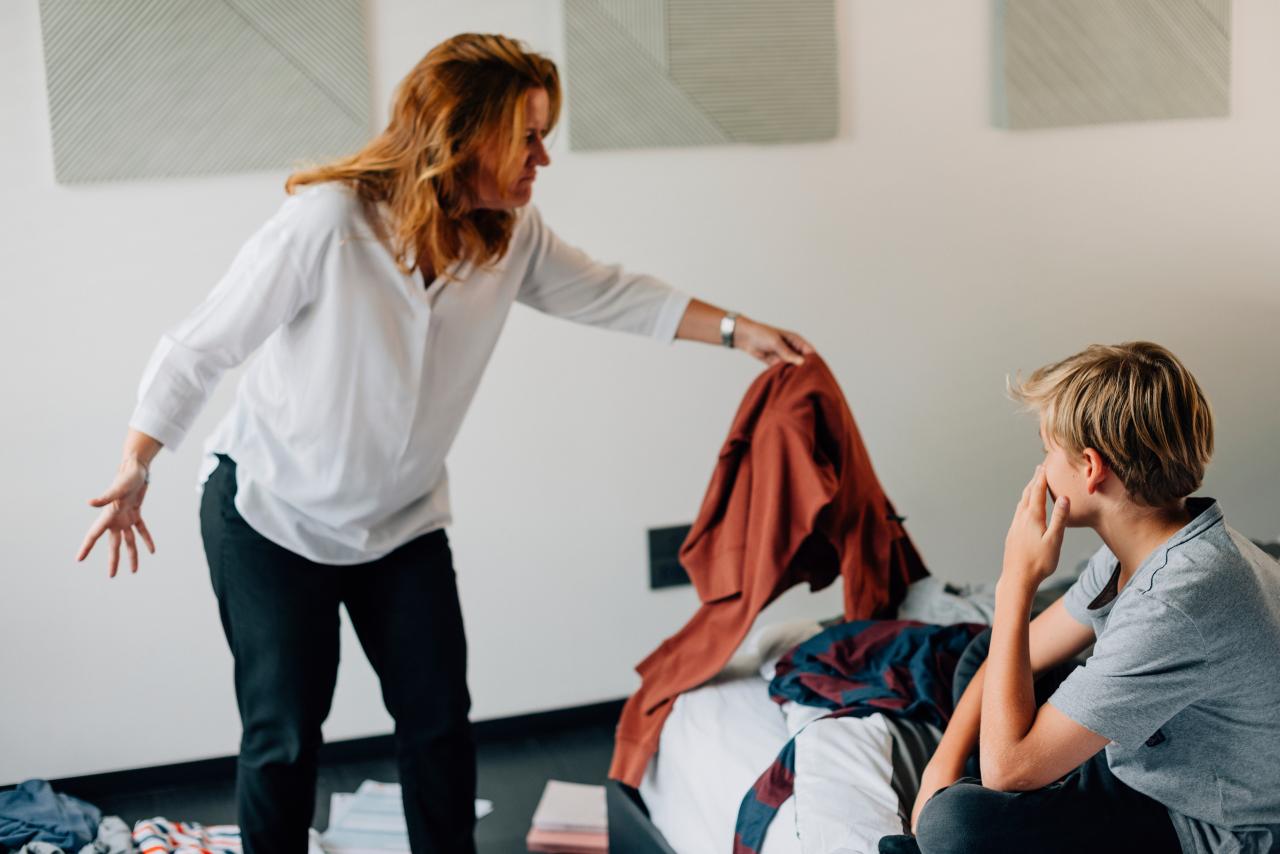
[[161, 836], [36, 820], [896, 667], [113, 838], [33, 812], [371, 820]]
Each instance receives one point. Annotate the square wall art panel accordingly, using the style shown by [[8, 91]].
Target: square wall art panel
[[158, 88], [656, 73], [1081, 62]]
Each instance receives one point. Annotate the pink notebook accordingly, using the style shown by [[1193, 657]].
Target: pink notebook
[[567, 841]]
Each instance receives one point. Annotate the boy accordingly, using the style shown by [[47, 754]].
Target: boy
[[1183, 686]]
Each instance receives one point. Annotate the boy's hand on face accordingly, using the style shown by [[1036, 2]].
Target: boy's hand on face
[[1032, 547]]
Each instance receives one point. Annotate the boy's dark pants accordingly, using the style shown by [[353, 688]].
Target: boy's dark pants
[[280, 615], [1088, 810]]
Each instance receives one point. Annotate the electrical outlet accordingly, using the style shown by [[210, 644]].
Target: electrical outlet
[[664, 563]]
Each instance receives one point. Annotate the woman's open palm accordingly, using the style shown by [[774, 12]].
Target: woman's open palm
[[121, 514]]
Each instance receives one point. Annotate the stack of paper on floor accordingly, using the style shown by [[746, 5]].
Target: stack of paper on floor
[[570, 819], [371, 821]]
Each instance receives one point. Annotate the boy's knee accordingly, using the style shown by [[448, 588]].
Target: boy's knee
[[951, 822]]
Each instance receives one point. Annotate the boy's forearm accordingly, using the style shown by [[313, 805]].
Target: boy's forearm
[[961, 735], [1008, 701]]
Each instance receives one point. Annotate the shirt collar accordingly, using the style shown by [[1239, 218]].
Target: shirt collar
[[1205, 514]]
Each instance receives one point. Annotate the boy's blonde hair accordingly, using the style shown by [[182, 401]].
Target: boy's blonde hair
[[1137, 406]]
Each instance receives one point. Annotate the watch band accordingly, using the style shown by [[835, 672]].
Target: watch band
[[728, 325]]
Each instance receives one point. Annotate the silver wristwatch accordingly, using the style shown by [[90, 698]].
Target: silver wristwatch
[[728, 324]]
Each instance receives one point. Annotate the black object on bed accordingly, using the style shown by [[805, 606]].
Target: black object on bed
[[630, 830]]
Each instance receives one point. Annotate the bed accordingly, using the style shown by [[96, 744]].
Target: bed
[[856, 778], [719, 738]]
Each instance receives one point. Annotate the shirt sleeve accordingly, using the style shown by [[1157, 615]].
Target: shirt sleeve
[[1149, 664], [264, 289], [564, 281], [1087, 587]]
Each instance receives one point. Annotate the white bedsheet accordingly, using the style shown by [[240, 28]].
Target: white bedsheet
[[717, 741], [720, 738], [844, 796]]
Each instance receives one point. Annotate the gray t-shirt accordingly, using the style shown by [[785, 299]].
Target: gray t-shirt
[[1185, 681]]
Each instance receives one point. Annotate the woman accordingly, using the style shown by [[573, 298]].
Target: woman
[[377, 294]]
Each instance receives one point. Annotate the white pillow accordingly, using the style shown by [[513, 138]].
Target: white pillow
[[844, 793], [773, 642], [760, 652]]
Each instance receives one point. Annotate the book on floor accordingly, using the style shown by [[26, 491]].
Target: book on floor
[[566, 842], [570, 818], [371, 821], [570, 806]]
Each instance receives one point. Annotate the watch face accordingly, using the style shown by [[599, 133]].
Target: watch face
[[728, 324]]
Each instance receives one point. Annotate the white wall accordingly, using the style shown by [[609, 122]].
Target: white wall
[[925, 253]]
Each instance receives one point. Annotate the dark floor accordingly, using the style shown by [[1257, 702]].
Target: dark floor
[[512, 772]]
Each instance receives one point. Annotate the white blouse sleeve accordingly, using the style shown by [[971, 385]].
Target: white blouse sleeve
[[264, 289], [564, 281]]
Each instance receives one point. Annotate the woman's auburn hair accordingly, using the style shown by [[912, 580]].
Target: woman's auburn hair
[[414, 179], [1137, 405]]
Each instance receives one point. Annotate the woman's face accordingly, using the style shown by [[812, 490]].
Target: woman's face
[[486, 193]]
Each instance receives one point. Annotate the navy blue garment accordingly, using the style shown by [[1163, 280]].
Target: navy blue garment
[[33, 812]]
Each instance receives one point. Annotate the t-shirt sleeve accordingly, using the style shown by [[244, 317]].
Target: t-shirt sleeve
[[1087, 587], [1149, 664], [564, 281]]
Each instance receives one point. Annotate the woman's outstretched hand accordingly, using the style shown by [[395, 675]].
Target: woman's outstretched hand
[[702, 321], [121, 515], [768, 344]]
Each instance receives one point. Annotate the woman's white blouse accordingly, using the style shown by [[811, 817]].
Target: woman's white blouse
[[341, 424]]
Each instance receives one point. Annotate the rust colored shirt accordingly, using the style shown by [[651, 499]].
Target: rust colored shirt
[[793, 498]]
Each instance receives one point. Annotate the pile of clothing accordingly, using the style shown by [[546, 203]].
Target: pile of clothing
[[34, 819]]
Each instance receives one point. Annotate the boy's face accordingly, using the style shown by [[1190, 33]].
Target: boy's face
[[1065, 476]]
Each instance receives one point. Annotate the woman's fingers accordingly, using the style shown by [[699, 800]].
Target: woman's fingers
[[146, 535], [772, 345], [120, 514], [95, 531], [119, 531], [128, 482], [131, 545], [782, 349], [115, 493], [798, 343], [113, 553], [794, 345]]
